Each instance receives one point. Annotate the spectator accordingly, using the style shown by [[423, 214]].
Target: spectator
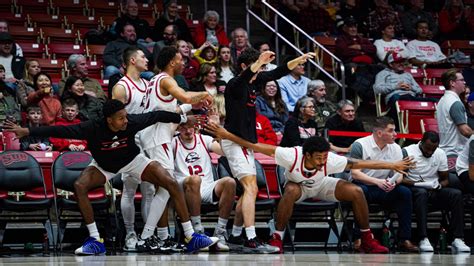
[[263, 47], [451, 115], [217, 112], [26, 85], [344, 120], [89, 107], [265, 133], [414, 14], [30, 143], [301, 126], [191, 66], [469, 106], [270, 104], [383, 12], [77, 65], [13, 64], [425, 53], [324, 108], [314, 19], [453, 20], [356, 9], [210, 31], [388, 44], [16, 51], [8, 106], [293, 86], [43, 97], [428, 182], [224, 64], [130, 16], [70, 110], [171, 17], [352, 48], [384, 186], [170, 38], [468, 74], [465, 166], [206, 80], [207, 53], [240, 42], [113, 60]]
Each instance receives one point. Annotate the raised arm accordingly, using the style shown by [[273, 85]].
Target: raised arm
[[77, 131], [191, 97]]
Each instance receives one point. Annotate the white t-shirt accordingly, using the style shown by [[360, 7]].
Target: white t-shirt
[[425, 51], [226, 74], [292, 159], [427, 168], [7, 64], [394, 45]]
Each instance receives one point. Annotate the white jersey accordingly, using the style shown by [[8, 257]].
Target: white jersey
[[138, 95], [193, 159], [161, 132]]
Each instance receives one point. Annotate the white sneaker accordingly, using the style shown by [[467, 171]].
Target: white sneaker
[[459, 246], [221, 244], [131, 241], [425, 245]]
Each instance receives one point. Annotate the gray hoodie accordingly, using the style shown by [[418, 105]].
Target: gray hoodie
[[386, 83]]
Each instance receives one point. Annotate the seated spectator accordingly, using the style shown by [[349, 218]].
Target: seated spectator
[[130, 15], [323, 107], [25, 85], [70, 110], [191, 66], [224, 64], [383, 12], [315, 20], [44, 97], [344, 120], [351, 47], [13, 64], [469, 106], [89, 107], [170, 38], [29, 143], [301, 125], [293, 86], [428, 182], [465, 166], [9, 108], [411, 17], [353, 8], [263, 47], [77, 65], [113, 61], [270, 104], [16, 51], [210, 31], [453, 20], [170, 16], [388, 44], [265, 133], [206, 80], [425, 53], [207, 53], [240, 42]]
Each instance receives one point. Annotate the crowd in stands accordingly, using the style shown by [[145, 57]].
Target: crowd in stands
[[377, 42]]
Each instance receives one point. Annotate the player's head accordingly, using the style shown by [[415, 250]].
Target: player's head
[[316, 149], [171, 59], [246, 58], [429, 143], [186, 131], [115, 115], [135, 56]]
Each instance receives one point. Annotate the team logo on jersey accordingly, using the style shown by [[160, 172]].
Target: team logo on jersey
[[115, 144], [192, 157]]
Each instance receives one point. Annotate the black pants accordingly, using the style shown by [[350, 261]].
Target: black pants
[[467, 184], [449, 199]]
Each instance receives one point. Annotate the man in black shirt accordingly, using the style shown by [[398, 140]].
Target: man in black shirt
[[112, 145], [240, 96]]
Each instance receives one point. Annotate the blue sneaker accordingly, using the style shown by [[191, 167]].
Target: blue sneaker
[[91, 246], [197, 242]]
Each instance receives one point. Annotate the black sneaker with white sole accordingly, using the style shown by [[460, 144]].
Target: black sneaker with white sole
[[169, 245], [150, 244]]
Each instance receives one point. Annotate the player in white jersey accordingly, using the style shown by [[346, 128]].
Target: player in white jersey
[[194, 171], [156, 140], [133, 91], [306, 171]]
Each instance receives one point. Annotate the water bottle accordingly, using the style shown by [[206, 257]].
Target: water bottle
[[442, 240], [386, 237], [45, 243]]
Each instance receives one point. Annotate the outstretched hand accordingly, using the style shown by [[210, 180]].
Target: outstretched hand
[[20, 132], [266, 57], [406, 163], [300, 60], [216, 130]]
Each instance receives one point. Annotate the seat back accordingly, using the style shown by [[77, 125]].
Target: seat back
[[19, 171], [411, 112], [429, 124], [433, 75], [433, 91], [68, 167]]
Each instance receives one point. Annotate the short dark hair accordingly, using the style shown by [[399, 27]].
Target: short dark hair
[[165, 56], [33, 107], [430, 135], [448, 76], [382, 122], [111, 107], [422, 21], [315, 144], [69, 82], [121, 27], [128, 53], [248, 57], [68, 102]]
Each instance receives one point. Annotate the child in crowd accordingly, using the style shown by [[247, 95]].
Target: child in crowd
[[69, 113], [207, 53], [31, 143]]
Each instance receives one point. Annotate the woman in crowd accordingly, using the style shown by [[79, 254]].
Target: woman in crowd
[[209, 30], [206, 80], [302, 125], [191, 66], [90, 108], [26, 85], [44, 97], [271, 105], [224, 65]]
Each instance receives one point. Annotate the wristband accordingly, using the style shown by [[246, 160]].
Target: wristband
[[185, 108]]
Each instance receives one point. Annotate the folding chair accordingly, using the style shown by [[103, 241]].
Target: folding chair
[[380, 107], [429, 124], [433, 91], [411, 112]]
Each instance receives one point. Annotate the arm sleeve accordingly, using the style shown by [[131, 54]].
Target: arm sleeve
[[414, 85], [285, 157], [443, 166], [239, 82], [141, 121], [60, 144], [381, 85], [458, 113], [270, 135], [356, 151], [78, 131], [274, 74]]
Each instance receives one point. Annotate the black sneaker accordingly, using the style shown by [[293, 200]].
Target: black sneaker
[[255, 246], [150, 244], [235, 240], [169, 245]]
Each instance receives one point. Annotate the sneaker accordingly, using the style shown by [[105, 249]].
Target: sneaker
[[131, 241], [255, 246], [459, 246], [276, 242], [169, 245], [425, 245], [197, 242], [235, 240], [221, 244], [91, 246], [372, 245], [150, 244]]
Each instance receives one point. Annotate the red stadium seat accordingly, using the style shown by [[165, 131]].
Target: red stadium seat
[[14, 19], [95, 68], [58, 35], [100, 8], [433, 76], [22, 33], [433, 91], [450, 46], [417, 74], [429, 124], [54, 67], [411, 112], [82, 22], [95, 51], [33, 6], [321, 56], [69, 7], [59, 50], [44, 20], [33, 50]]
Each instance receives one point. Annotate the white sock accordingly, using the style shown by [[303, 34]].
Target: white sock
[[162, 232], [281, 233], [196, 222], [250, 231], [236, 230], [148, 191], [93, 231], [188, 229], [127, 203], [147, 232], [158, 205], [221, 225]]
